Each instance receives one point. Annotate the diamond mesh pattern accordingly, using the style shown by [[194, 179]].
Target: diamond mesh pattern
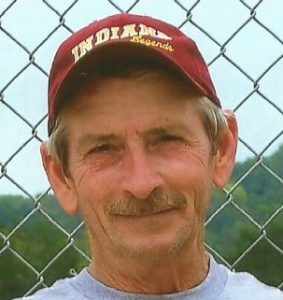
[[238, 38]]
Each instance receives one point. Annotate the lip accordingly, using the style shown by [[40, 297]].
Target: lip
[[147, 215]]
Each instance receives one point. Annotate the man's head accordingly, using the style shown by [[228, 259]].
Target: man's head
[[136, 146]]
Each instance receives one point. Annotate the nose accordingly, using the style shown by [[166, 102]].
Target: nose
[[141, 179]]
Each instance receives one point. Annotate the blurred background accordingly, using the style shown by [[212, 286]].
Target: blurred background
[[242, 42]]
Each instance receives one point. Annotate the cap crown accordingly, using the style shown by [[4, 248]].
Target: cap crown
[[163, 39]]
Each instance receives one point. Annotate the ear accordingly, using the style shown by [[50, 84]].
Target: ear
[[224, 159], [60, 183]]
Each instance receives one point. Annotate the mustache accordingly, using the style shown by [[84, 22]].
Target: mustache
[[156, 202]]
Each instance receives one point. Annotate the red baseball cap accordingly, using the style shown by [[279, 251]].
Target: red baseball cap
[[125, 34]]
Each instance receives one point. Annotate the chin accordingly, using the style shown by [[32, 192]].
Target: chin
[[155, 246]]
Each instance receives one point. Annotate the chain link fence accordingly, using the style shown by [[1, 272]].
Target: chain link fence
[[242, 41]]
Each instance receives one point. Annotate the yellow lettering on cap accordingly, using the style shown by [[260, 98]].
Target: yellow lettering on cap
[[146, 30], [102, 36], [129, 30], [138, 33], [135, 39], [152, 43], [82, 48], [85, 45], [75, 52], [114, 33]]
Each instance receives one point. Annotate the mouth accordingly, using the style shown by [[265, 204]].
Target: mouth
[[145, 214]]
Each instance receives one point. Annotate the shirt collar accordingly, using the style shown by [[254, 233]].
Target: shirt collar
[[212, 286]]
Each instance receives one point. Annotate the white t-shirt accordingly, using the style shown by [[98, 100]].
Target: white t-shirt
[[220, 284]]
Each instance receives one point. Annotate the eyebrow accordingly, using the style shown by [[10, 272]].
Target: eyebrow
[[173, 127], [98, 138]]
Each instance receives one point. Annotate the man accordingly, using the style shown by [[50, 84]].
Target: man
[[137, 140]]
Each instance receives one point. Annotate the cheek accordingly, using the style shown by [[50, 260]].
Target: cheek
[[191, 174], [188, 169], [95, 188], [92, 194]]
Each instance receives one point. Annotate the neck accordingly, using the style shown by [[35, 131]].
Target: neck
[[161, 275]]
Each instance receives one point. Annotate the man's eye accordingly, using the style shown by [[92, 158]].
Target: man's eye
[[101, 148], [170, 138], [167, 138]]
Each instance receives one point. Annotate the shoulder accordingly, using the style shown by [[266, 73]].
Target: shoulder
[[243, 285], [61, 290]]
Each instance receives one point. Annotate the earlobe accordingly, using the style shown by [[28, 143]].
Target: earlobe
[[226, 153], [60, 183]]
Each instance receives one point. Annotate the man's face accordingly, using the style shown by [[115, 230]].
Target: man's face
[[140, 165]]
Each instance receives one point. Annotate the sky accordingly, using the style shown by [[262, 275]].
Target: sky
[[253, 49]]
